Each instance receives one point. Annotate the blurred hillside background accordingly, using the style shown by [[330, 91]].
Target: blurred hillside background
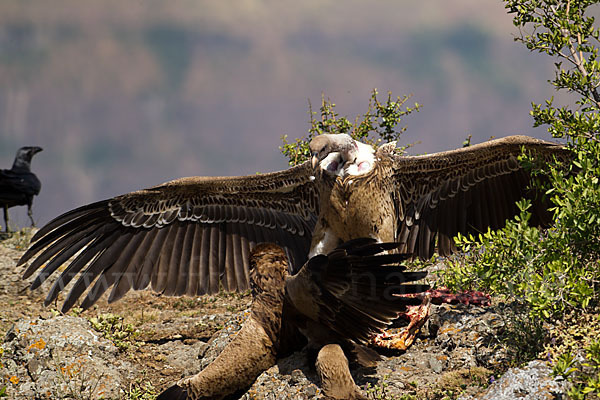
[[126, 95]]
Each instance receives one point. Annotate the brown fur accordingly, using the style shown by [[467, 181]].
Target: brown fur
[[256, 346]]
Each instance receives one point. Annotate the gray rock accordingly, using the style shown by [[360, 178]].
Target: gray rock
[[436, 365], [73, 361], [58, 357], [533, 382], [183, 356]]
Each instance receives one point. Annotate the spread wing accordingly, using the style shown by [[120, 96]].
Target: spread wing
[[188, 236], [465, 190], [354, 291]]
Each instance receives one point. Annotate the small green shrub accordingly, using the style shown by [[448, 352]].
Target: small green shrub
[[521, 263], [381, 391], [142, 390], [114, 328], [378, 124], [583, 376]]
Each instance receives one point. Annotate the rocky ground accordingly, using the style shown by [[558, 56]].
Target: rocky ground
[[138, 346]]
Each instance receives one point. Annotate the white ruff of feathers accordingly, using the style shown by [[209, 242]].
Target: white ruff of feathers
[[365, 160]]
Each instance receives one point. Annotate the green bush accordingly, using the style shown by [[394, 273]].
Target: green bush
[[556, 271], [584, 376], [378, 124], [522, 263]]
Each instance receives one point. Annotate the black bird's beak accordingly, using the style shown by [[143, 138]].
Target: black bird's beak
[[314, 161], [36, 150]]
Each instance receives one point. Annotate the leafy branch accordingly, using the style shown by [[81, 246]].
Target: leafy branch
[[562, 29], [379, 124]]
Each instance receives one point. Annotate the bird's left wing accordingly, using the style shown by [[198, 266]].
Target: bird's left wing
[[466, 190], [354, 291], [187, 236]]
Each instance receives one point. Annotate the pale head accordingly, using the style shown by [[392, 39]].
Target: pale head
[[341, 155], [321, 146]]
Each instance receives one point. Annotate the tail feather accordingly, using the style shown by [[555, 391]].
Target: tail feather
[[361, 288]]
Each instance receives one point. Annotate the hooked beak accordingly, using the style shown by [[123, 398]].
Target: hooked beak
[[314, 161]]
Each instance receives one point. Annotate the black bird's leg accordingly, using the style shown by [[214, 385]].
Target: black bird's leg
[[6, 219], [30, 214]]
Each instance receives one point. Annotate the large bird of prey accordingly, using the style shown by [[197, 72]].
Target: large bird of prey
[[18, 185], [336, 301], [193, 235]]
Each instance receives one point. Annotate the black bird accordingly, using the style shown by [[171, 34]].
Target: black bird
[[18, 185]]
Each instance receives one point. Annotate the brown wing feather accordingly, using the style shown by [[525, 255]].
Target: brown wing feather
[[465, 190], [191, 235]]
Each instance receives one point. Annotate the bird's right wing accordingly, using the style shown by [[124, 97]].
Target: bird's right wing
[[188, 236], [355, 291], [467, 190]]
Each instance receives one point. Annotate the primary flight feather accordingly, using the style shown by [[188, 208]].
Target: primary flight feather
[[193, 235]]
